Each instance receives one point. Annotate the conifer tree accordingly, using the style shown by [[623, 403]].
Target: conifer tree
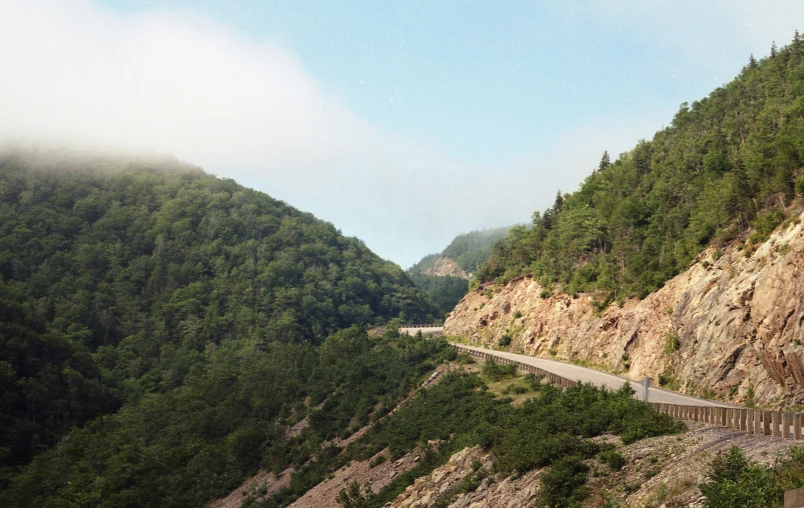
[[605, 161]]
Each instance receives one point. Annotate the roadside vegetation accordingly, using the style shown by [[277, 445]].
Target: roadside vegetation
[[550, 429], [734, 480]]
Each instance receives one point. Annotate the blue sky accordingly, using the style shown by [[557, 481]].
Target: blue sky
[[403, 123]]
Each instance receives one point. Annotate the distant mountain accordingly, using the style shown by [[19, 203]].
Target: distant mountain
[[445, 276], [462, 255]]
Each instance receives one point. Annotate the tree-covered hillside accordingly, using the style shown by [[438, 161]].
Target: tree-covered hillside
[[467, 250], [119, 277], [473, 248], [445, 292], [728, 162]]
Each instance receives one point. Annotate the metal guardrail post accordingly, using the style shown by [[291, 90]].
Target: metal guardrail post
[[775, 424], [797, 426], [786, 425]]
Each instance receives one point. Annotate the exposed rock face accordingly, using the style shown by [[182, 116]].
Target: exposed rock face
[[739, 324], [447, 267], [664, 470], [326, 492], [446, 484]]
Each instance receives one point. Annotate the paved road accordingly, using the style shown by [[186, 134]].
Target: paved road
[[577, 373], [428, 330]]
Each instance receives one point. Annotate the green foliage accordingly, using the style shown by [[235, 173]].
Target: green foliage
[[564, 484], [473, 248], [726, 163], [514, 389], [534, 381], [379, 459], [49, 383], [667, 379], [734, 480], [183, 298], [496, 371], [765, 224], [672, 344], [505, 340], [468, 251], [457, 413], [353, 496], [199, 441], [613, 459], [445, 292], [551, 425]]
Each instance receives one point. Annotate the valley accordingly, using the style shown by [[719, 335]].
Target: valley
[[173, 338]]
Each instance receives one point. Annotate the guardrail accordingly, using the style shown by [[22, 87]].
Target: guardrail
[[549, 376], [778, 424]]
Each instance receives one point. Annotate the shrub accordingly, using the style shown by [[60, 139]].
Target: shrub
[[564, 485], [514, 389], [764, 225], [534, 381], [735, 481], [496, 372], [672, 344], [613, 459], [379, 459], [505, 340], [800, 185], [517, 315]]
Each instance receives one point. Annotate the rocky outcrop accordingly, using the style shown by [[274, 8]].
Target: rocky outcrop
[[730, 326], [447, 267], [464, 482], [366, 474], [657, 471]]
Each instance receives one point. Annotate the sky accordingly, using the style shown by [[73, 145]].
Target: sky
[[403, 123]]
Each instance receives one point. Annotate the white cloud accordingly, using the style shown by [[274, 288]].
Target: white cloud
[[165, 82], [168, 81]]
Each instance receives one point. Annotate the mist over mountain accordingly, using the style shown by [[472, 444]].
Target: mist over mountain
[[170, 338], [445, 276], [119, 275]]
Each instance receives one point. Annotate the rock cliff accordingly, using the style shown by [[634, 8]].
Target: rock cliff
[[731, 326], [447, 267]]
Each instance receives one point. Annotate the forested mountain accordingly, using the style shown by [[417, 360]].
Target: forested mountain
[[467, 250], [128, 281], [445, 276], [728, 162]]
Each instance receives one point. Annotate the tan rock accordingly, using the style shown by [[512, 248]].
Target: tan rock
[[739, 322]]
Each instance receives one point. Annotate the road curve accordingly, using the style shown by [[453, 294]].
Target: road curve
[[577, 373], [426, 330]]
